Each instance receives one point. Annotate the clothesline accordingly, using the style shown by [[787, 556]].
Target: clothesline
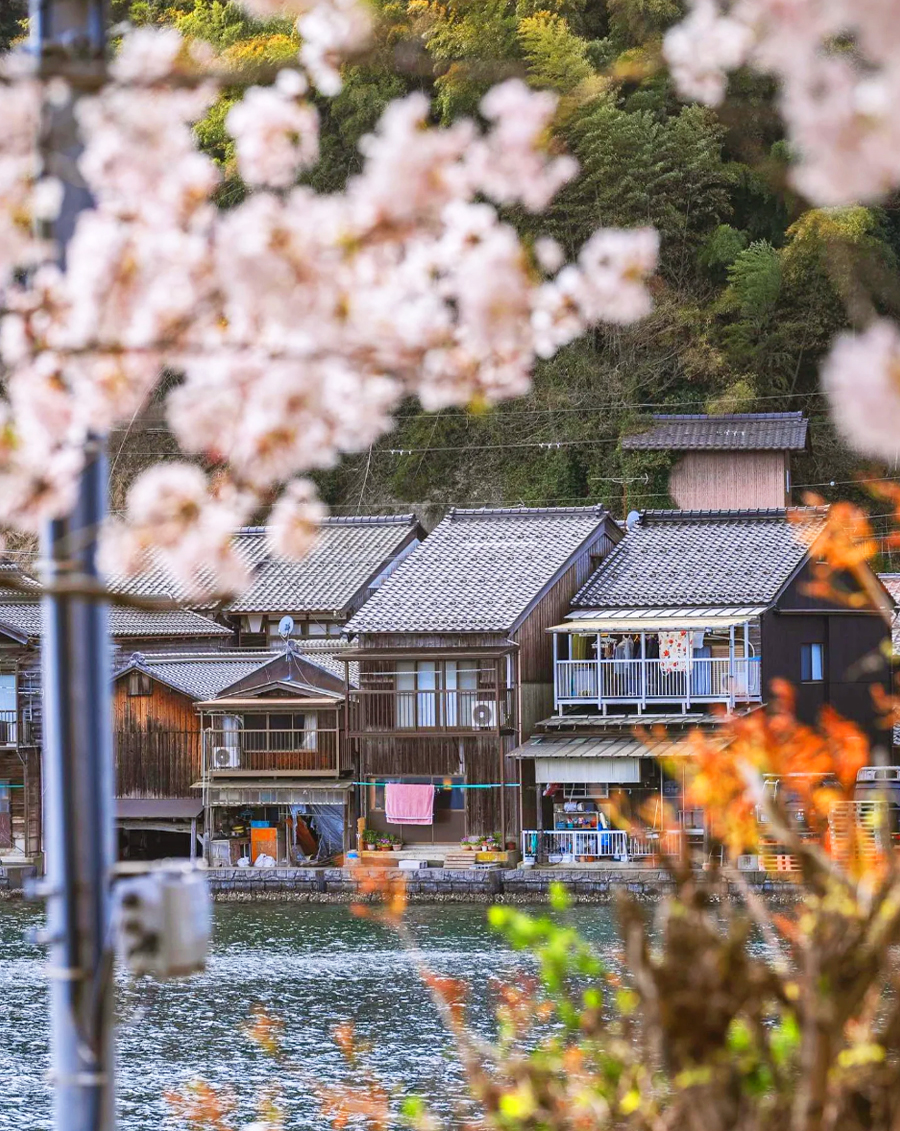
[[485, 785]]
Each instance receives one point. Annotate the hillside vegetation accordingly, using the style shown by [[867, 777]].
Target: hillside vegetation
[[752, 285]]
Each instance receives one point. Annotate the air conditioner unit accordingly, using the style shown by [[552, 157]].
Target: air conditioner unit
[[225, 758], [484, 715]]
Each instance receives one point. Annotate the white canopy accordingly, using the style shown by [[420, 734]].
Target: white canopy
[[656, 620]]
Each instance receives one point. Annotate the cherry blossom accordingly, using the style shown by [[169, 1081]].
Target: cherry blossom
[[294, 322], [862, 379]]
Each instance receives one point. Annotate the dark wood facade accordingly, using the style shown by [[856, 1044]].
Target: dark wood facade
[[438, 739], [855, 649]]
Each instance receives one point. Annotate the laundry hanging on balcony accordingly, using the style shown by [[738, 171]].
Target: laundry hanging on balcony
[[675, 651], [409, 803]]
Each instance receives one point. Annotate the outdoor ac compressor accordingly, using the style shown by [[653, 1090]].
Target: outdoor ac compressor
[[163, 921]]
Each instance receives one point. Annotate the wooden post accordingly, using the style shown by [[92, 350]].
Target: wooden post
[[555, 671], [501, 753], [193, 838]]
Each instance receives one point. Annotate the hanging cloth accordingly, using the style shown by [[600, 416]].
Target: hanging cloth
[[624, 651], [406, 803], [675, 651]]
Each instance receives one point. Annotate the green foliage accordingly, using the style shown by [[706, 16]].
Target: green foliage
[[13, 21], [554, 56]]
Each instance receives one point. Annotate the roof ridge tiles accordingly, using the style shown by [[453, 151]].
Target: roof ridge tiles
[[344, 520], [524, 512], [750, 514], [716, 416]]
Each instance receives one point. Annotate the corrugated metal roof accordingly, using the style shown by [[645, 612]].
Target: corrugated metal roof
[[594, 746], [686, 616], [740, 431], [479, 570], [175, 808], [701, 558]]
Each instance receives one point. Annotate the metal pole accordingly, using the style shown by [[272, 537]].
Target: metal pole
[[70, 35]]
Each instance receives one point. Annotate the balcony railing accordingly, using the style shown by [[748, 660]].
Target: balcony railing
[[572, 846], [9, 728], [387, 710], [716, 680], [248, 751]]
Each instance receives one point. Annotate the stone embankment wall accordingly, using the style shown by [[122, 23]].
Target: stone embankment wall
[[444, 885], [13, 878]]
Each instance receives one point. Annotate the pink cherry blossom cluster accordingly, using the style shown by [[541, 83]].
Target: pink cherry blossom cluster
[[297, 321], [837, 63]]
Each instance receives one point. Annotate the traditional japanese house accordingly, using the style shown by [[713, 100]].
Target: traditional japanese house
[[739, 460], [158, 745], [692, 613], [350, 559], [275, 771], [455, 662], [20, 699]]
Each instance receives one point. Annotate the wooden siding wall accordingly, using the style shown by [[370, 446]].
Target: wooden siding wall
[[157, 742], [730, 480], [478, 758]]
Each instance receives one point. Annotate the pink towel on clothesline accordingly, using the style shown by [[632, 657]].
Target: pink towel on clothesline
[[408, 804]]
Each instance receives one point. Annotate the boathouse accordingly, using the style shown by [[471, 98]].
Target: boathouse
[[455, 663], [692, 615]]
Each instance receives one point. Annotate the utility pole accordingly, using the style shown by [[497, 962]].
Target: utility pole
[[68, 37]]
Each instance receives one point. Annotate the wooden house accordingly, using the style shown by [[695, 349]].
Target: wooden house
[[21, 704], [350, 559], [158, 744], [216, 741], [734, 461], [691, 614], [455, 662]]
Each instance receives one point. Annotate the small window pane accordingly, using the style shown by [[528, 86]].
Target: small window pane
[[812, 663]]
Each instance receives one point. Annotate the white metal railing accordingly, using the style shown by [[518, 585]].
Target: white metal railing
[[700, 680], [662, 842], [575, 845]]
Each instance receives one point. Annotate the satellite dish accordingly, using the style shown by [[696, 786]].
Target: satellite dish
[[285, 627], [633, 520]]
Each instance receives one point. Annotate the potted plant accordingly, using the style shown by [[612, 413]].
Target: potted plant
[[396, 843], [369, 839], [469, 843], [384, 842]]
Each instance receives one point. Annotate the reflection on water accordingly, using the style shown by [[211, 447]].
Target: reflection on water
[[313, 965]]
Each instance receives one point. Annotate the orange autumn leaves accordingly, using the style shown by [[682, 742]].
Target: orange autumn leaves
[[818, 766]]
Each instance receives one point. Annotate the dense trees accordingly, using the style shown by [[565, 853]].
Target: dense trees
[[752, 286]]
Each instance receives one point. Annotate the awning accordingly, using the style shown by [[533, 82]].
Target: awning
[[594, 746], [155, 809], [282, 792], [575, 759], [657, 619]]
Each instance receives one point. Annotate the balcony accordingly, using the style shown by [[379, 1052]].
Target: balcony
[[10, 730], [230, 752], [640, 683], [400, 712]]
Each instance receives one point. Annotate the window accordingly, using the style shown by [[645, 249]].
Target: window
[[812, 663], [436, 693], [139, 683]]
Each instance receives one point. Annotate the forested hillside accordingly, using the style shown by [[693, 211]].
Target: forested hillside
[[752, 285]]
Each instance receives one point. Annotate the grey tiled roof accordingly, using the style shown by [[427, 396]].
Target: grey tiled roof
[[349, 553], [891, 582], [201, 675], [701, 558], [478, 570], [25, 616], [743, 431]]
